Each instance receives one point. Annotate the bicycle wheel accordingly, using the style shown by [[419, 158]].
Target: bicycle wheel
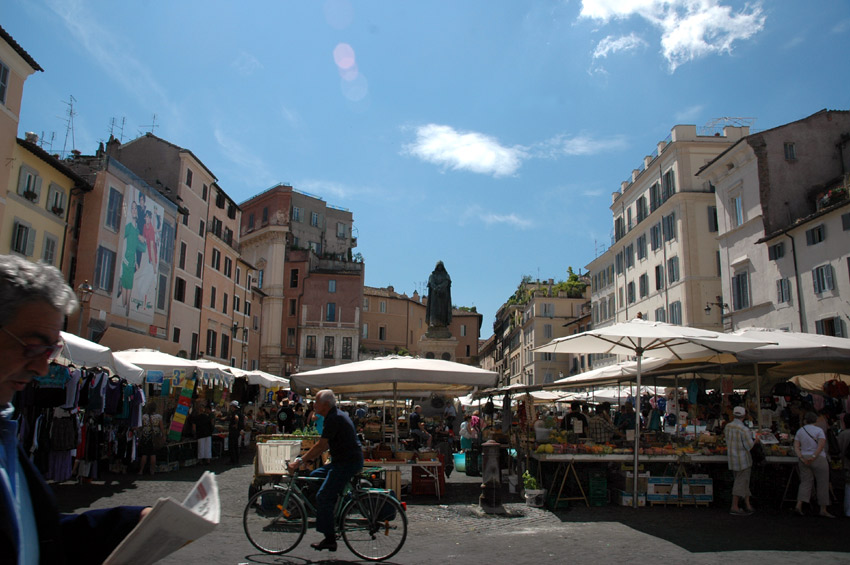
[[374, 526], [275, 520]]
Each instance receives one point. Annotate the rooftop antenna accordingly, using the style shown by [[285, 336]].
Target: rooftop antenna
[[42, 142], [69, 125], [718, 123], [113, 126], [152, 125]]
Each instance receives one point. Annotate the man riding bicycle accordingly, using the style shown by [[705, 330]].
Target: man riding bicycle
[[340, 437]]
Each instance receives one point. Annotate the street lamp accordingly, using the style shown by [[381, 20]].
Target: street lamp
[[85, 292], [720, 304]]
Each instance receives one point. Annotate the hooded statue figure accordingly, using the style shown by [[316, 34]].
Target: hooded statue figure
[[438, 311]]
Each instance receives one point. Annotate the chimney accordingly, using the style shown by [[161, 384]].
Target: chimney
[[31, 136]]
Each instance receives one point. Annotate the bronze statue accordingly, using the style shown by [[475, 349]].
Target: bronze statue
[[438, 310]]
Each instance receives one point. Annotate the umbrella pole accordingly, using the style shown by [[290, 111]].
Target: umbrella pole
[[637, 428], [758, 396], [395, 416], [676, 404]]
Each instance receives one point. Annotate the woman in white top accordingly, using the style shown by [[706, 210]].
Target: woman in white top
[[810, 446]]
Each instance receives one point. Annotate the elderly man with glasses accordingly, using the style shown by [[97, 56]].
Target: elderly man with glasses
[[34, 301]]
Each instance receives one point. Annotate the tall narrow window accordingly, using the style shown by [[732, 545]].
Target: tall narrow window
[[741, 290]]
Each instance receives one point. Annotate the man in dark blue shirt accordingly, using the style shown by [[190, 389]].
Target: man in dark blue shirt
[[340, 437]]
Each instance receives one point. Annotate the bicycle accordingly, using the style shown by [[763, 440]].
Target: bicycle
[[371, 522]]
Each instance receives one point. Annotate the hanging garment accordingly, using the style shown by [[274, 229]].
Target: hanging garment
[[72, 390], [112, 396]]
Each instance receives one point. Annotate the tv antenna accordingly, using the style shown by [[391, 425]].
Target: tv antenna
[[152, 125], [42, 142], [113, 126], [69, 125]]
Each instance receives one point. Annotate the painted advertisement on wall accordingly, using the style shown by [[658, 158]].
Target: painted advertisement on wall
[[137, 274]]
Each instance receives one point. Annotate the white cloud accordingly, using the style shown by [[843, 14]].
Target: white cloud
[[689, 28], [337, 190], [841, 26], [250, 164], [291, 116], [476, 212], [469, 151], [580, 145], [114, 55], [246, 64], [689, 114], [613, 44]]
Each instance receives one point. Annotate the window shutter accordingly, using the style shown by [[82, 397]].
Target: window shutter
[[828, 275], [840, 330], [30, 242], [37, 187], [810, 237], [819, 327], [845, 221], [22, 180], [815, 280]]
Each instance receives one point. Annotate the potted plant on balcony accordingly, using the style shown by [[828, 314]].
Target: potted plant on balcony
[[31, 195], [58, 210]]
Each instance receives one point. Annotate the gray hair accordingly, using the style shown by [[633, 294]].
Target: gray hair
[[23, 281], [326, 395]]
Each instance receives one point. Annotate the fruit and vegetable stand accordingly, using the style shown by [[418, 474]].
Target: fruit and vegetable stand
[[680, 488]]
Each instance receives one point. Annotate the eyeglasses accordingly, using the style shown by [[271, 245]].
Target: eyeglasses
[[33, 351]]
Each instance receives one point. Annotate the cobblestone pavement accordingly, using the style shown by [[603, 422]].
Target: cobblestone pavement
[[453, 529]]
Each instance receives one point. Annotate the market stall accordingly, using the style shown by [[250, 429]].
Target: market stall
[[394, 377]]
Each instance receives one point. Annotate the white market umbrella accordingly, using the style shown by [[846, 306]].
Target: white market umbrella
[[152, 360], [609, 374], [87, 353], [655, 339], [394, 374], [261, 378]]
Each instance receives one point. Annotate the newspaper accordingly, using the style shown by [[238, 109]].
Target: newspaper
[[171, 525]]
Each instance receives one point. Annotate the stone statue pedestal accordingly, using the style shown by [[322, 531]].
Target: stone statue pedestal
[[438, 347]]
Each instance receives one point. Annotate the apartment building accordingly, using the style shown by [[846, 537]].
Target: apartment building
[[394, 323], [124, 248], [37, 203], [784, 226], [663, 262], [537, 313], [16, 65], [312, 283], [207, 249]]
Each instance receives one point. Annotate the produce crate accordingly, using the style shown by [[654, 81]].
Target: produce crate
[[273, 456]]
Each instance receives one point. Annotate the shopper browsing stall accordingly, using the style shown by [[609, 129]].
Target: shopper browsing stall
[[810, 447], [739, 442]]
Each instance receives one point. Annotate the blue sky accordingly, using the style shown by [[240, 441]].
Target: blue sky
[[486, 134]]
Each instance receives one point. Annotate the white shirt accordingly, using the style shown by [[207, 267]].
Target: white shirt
[[808, 437]]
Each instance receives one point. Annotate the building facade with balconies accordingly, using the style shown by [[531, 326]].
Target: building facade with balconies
[[663, 263], [784, 226], [311, 282]]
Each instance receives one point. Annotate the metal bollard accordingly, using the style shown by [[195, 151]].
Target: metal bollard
[[490, 500]]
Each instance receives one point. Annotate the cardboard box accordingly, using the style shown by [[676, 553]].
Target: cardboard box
[[624, 498], [624, 480], [697, 487], [668, 486]]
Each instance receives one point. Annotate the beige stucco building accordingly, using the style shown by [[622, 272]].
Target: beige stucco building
[[537, 313], [783, 226], [37, 204], [395, 323], [16, 65], [663, 262]]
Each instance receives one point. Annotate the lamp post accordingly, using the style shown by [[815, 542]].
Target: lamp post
[[85, 292], [720, 304]]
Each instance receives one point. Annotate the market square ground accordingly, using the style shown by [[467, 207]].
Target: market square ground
[[451, 531]]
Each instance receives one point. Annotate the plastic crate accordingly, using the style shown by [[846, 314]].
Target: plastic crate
[[273, 456]]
